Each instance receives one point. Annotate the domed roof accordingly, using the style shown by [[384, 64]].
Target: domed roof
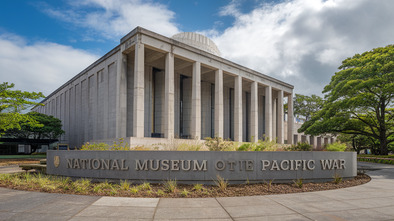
[[197, 40]]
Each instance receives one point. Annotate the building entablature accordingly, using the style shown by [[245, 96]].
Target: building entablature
[[162, 44]]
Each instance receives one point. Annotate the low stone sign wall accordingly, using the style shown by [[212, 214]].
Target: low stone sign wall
[[202, 166]]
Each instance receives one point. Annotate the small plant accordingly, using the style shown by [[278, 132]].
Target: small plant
[[65, 183], [102, 187], [124, 185], [144, 186], [113, 191], [6, 177], [269, 184], [221, 183], [170, 186], [337, 178], [134, 190], [198, 187], [340, 147], [81, 186], [161, 192], [299, 183], [184, 193]]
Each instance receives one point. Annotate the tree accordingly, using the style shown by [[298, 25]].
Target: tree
[[359, 99], [47, 127], [358, 142], [307, 106], [12, 102]]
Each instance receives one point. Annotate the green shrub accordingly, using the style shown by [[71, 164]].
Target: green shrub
[[245, 147], [261, 145], [218, 144], [117, 145], [95, 146], [336, 147], [300, 146]]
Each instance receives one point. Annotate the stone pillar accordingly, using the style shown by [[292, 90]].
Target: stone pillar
[[274, 120], [238, 109], [314, 138], [254, 117], [169, 97], [196, 102], [219, 114], [121, 96], [139, 87], [280, 118], [268, 112], [290, 120]]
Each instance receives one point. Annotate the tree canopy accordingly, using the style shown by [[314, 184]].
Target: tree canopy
[[48, 127], [12, 102], [359, 99], [307, 106]]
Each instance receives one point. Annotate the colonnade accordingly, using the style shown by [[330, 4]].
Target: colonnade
[[274, 129]]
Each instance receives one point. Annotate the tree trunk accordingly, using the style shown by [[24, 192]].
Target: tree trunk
[[383, 147]]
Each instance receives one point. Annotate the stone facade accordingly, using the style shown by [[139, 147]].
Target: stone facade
[[154, 86]]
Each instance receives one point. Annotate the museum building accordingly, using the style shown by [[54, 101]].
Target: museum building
[[152, 87]]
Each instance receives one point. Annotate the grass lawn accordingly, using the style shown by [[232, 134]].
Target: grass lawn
[[37, 156], [385, 159]]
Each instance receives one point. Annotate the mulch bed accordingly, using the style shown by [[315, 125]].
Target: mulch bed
[[214, 191]]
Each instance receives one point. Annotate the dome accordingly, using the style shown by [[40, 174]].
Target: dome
[[197, 40]]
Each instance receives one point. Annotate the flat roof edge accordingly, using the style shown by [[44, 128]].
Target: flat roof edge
[[160, 37], [84, 71]]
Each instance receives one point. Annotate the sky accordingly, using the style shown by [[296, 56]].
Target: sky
[[45, 43]]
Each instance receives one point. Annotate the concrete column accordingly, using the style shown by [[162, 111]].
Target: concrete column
[[238, 109], [254, 117], [314, 138], [219, 114], [268, 112], [169, 97], [274, 120], [121, 96], [290, 120], [196, 102], [139, 87], [280, 118]]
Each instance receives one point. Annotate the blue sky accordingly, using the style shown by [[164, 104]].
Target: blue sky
[[45, 43]]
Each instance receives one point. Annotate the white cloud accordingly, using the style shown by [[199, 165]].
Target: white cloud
[[40, 67], [113, 19], [304, 41]]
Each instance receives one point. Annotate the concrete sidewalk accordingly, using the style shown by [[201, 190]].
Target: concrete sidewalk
[[371, 201]]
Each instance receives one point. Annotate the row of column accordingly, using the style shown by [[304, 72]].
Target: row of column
[[138, 113]]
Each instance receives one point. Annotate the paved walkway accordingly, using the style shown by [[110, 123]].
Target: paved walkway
[[371, 201]]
